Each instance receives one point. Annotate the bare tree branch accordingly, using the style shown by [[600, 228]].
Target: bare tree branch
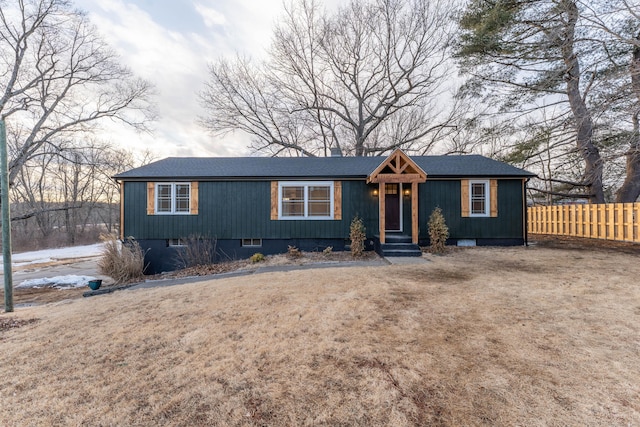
[[41, 211], [365, 79], [59, 79]]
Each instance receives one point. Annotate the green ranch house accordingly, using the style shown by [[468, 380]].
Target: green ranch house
[[265, 204]]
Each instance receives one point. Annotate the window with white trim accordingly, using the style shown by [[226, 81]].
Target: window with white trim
[[252, 243], [176, 242], [173, 198], [479, 198], [305, 200]]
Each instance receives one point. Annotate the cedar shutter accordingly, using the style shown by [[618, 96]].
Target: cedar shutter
[[151, 198], [337, 200], [464, 197], [274, 200], [193, 208], [493, 185]]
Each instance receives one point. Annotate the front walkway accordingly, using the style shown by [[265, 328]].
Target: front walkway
[[405, 260], [268, 269]]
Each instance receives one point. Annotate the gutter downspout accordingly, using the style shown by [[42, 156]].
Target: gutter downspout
[[121, 210], [526, 212]]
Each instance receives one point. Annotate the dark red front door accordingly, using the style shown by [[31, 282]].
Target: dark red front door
[[392, 207]]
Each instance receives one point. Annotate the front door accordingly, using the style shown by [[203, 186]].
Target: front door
[[392, 207]]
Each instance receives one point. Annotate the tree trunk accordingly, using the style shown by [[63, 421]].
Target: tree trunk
[[630, 189], [582, 117]]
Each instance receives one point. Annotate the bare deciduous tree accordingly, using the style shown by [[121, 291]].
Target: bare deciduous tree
[[59, 79], [69, 196], [364, 80]]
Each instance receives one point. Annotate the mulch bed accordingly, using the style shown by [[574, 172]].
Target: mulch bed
[[229, 266], [200, 270]]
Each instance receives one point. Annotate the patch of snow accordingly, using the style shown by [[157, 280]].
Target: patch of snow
[[49, 255], [22, 264], [60, 282]]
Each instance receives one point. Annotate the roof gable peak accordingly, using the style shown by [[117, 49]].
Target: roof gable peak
[[398, 167]]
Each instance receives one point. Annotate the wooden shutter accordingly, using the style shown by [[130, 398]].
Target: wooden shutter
[[464, 197], [151, 198], [274, 200], [493, 185], [193, 208], [337, 200]]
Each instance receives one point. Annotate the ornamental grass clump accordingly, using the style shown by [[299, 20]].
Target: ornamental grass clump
[[122, 261], [357, 235], [438, 231]]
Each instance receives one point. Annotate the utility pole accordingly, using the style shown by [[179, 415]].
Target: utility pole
[[6, 221]]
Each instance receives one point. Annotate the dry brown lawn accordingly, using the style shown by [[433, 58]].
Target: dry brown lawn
[[532, 336]]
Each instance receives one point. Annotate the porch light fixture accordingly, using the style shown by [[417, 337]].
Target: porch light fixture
[[375, 192], [407, 192]]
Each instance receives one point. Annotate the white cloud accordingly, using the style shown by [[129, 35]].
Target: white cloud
[[176, 63], [210, 16], [168, 45]]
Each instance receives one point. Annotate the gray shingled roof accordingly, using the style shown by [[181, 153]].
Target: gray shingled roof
[[217, 168]]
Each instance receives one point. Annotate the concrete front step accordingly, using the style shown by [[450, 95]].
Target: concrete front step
[[397, 238], [398, 245], [402, 253]]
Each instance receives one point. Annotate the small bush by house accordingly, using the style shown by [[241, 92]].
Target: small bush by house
[[438, 231], [358, 235]]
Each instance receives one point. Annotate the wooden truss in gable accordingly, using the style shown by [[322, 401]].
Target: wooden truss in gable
[[398, 167]]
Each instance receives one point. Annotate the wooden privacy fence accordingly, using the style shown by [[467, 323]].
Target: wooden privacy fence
[[611, 221]]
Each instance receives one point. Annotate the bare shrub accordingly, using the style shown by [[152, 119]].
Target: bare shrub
[[198, 250], [438, 231], [122, 261], [357, 235], [293, 252]]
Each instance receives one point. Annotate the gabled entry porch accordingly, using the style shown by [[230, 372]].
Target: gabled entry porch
[[397, 175]]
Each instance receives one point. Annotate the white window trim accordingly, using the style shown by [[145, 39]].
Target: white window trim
[[306, 185], [173, 198], [487, 197], [176, 243], [253, 244]]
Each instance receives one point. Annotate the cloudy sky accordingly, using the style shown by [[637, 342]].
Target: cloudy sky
[[170, 43]]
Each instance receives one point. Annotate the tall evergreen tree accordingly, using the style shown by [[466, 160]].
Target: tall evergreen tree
[[552, 68]]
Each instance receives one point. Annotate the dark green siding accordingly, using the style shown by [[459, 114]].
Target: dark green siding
[[447, 194], [236, 210], [242, 209]]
